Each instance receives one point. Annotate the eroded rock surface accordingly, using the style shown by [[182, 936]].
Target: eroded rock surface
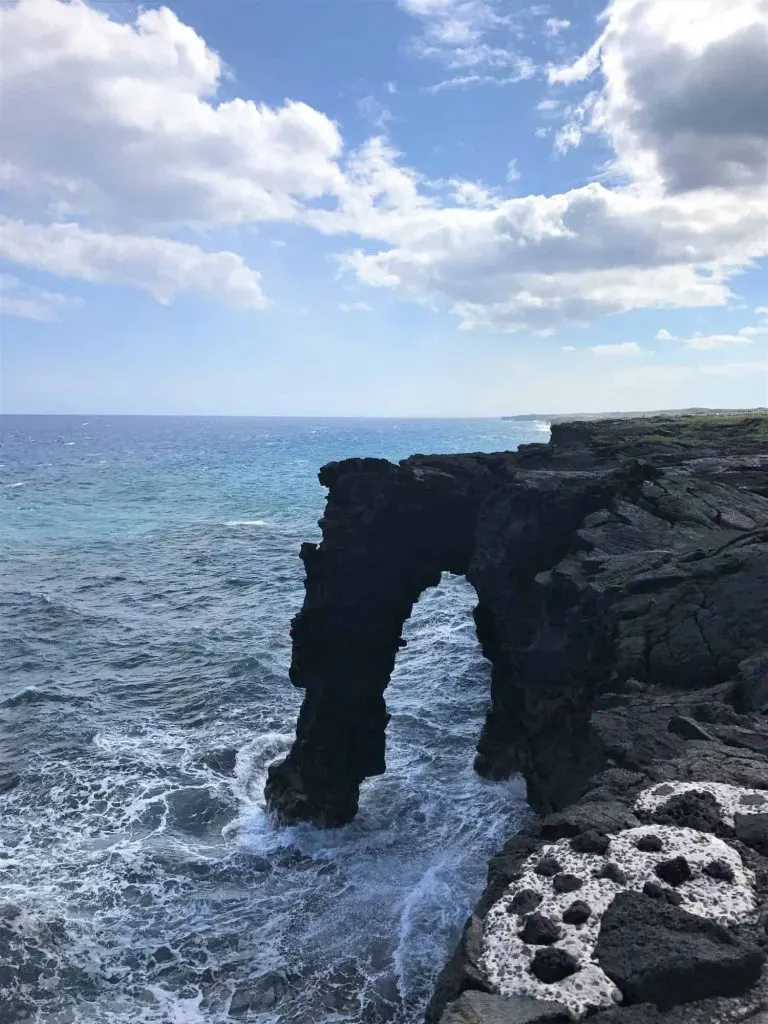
[[622, 586]]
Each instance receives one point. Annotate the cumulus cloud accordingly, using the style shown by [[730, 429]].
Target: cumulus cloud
[[684, 87], [116, 127], [120, 121], [160, 266], [622, 350], [543, 262], [19, 299]]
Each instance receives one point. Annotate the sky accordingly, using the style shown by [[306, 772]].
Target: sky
[[383, 207]]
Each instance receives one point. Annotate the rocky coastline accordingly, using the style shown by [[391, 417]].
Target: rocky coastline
[[621, 573]]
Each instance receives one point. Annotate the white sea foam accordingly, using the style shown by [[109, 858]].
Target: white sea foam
[[246, 522]]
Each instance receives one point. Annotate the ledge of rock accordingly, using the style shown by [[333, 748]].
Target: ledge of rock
[[621, 575]]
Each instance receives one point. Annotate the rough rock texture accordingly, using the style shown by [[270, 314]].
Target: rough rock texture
[[621, 575], [658, 953], [481, 1008]]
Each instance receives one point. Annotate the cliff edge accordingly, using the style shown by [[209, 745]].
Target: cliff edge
[[621, 573]]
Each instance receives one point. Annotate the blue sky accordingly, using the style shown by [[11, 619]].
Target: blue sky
[[383, 207]]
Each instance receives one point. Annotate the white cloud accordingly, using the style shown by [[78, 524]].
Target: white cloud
[[525, 70], [159, 266], [513, 172], [684, 87], [709, 342], [542, 262], [664, 335], [761, 310], [115, 126], [119, 121], [755, 332], [554, 26], [355, 307], [547, 106], [568, 348], [28, 302], [374, 112], [470, 34], [622, 350]]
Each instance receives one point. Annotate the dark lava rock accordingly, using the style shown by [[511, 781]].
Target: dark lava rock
[[660, 892], [539, 931], [691, 810], [590, 841], [605, 816], [613, 873], [484, 1008], [720, 870], [688, 728], [525, 901], [674, 871], [750, 691], [567, 883], [752, 829], [660, 954], [577, 913], [650, 844], [552, 965], [548, 867]]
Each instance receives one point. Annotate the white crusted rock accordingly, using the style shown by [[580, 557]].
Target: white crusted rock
[[506, 958], [731, 800]]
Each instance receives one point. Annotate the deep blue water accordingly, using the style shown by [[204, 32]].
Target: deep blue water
[[150, 572]]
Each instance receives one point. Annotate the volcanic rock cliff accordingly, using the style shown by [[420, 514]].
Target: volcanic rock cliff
[[621, 574]]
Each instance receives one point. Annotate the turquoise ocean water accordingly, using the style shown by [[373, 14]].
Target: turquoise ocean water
[[149, 574]]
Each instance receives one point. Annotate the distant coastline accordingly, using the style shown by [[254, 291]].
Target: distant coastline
[[587, 417]]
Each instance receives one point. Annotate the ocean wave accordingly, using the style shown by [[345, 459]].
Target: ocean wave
[[246, 522]]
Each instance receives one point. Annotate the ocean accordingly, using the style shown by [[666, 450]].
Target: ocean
[[150, 571]]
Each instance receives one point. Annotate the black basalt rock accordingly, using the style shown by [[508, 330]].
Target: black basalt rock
[[719, 870], [699, 810], [591, 841], [660, 954], [674, 871], [539, 931], [548, 867], [752, 829], [577, 913], [524, 902], [660, 892], [553, 964], [650, 844], [613, 872], [567, 883]]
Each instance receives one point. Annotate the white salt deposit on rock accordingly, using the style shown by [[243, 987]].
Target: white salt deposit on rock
[[731, 800], [506, 959]]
